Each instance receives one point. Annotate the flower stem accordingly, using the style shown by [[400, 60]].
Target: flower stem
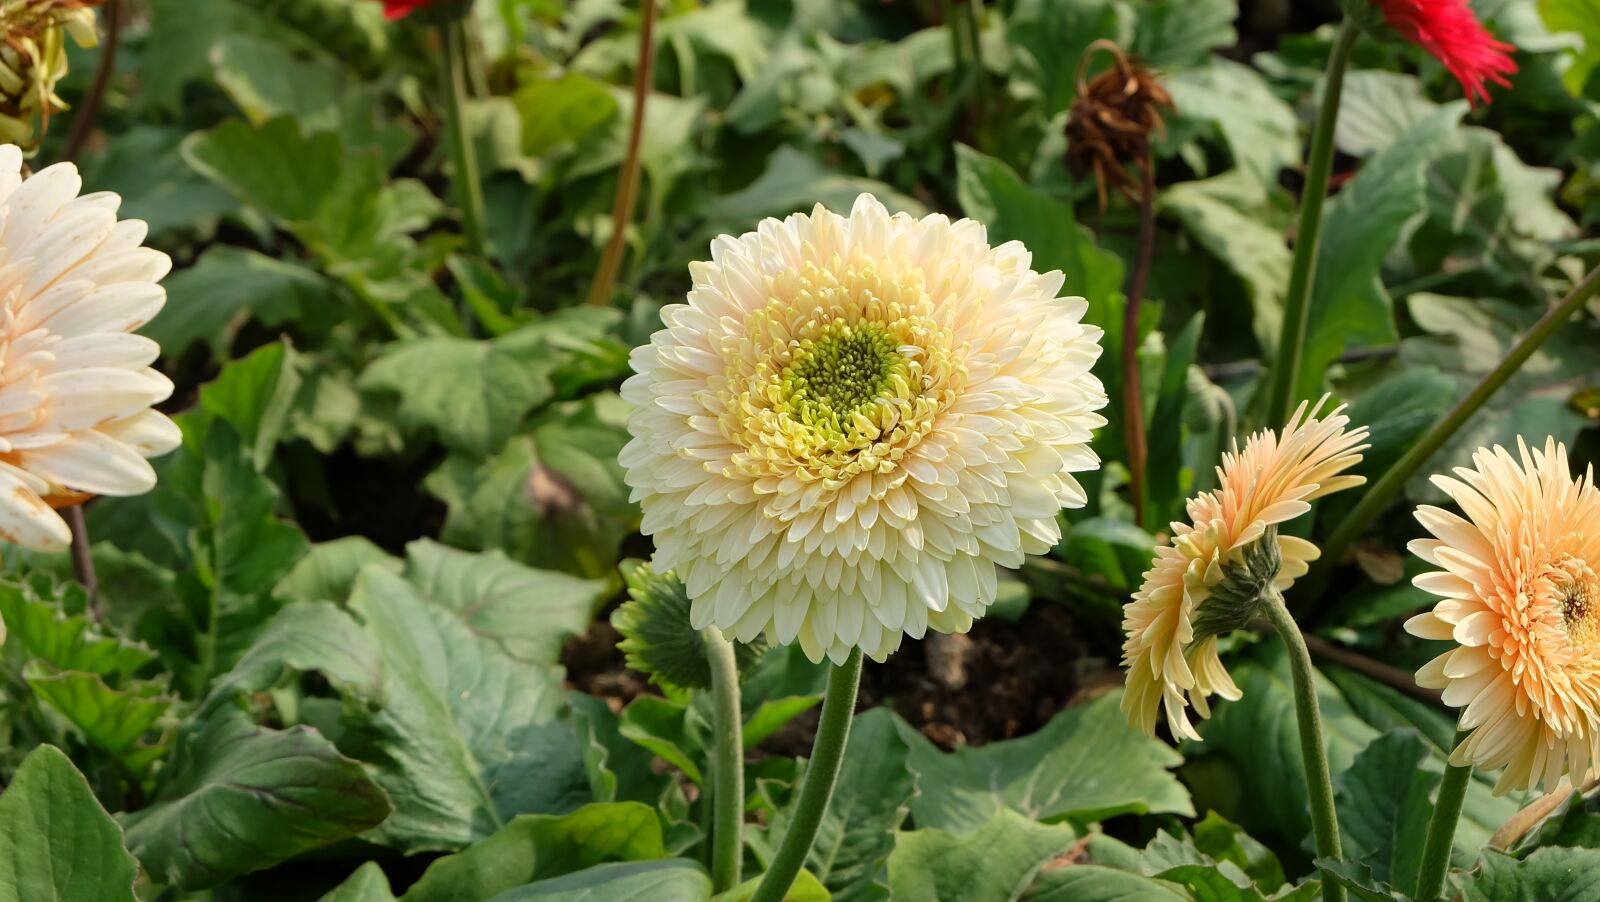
[[89, 108], [827, 754], [727, 768], [1389, 485], [1308, 236], [1442, 828], [1132, 394], [83, 559], [1313, 749], [605, 279], [463, 156]]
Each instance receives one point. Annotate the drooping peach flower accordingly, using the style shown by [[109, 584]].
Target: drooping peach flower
[[75, 386], [1450, 31], [853, 420], [1521, 600], [1171, 664]]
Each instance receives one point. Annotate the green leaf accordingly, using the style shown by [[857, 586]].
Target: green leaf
[[266, 796], [1261, 131], [538, 847], [869, 804], [56, 842], [1377, 108], [113, 720], [228, 287], [1049, 37], [806, 888], [1357, 878], [468, 736], [671, 729], [1084, 766], [529, 612], [367, 884], [561, 110], [1092, 883], [1167, 480], [1111, 548], [1384, 807], [555, 499], [1230, 219], [274, 167], [306, 636], [1548, 875], [1179, 34], [793, 181], [144, 166], [1579, 17], [43, 630], [995, 862], [254, 395], [1350, 306], [673, 880], [619, 770], [328, 571]]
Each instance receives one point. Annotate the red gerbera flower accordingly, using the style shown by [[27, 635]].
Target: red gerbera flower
[[1449, 30], [399, 9]]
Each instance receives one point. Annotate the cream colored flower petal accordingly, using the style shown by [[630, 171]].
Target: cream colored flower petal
[[148, 432], [27, 521], [93, 462]]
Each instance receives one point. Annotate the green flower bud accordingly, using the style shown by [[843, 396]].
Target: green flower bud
[[656, 636], [1246, 585]]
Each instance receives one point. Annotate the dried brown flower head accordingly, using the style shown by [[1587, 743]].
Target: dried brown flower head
[[1113, 117]]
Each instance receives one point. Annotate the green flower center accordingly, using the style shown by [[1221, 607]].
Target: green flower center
[[843, 370]]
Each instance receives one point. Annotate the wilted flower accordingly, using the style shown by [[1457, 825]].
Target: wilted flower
[[33, 58], [1113, 118], [853, 420], [1521, 600], [1173, 622], [1451, 32], [75, 387]]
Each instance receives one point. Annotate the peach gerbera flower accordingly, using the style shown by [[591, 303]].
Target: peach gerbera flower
[[853, 420], [1170, 662], [1522, 602], [75, 386]]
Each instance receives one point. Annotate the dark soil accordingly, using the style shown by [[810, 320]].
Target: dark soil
[[1000, 681]]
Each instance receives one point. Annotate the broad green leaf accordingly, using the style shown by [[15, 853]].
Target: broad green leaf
[[266, 796], [468, 736], [619, 769], [673, 880], [995, 862], [1384, 806], [43, 630], [562, 110], [674, 730], [1349, 306], [1230, 220], [1261, 131], [275, 168], [1092, 883], [1357, 878], [531, 613], [113, 720], [1179, 34], [328, 571], [555, 498], [1083, 766], [1167, 480], [254, 395], [794, 181], [227, 287], [56, 843], [367, 884], [1377, 108], [1049, 37], [306, 636], [1548, 875], [143, 165], [1111, 548], [806, 888], [869, 804], [1578, 17], [537, 847]]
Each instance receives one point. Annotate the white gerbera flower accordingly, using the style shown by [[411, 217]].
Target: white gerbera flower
[[75, 387], [853, 420]]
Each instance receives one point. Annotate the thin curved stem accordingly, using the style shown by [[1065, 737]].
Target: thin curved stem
[[1132, 393], [463, 156], [605, 279], [822, 772], [1389, 485], [1308, 236], [1442, 828], [727, 766], [83, 559], [1313, 748], [89, 108]]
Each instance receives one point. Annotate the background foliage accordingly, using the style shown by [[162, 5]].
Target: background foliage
[[355, 644]]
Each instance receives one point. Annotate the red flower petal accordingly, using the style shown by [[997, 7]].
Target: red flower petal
[[1449, 31], [399, 9]]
